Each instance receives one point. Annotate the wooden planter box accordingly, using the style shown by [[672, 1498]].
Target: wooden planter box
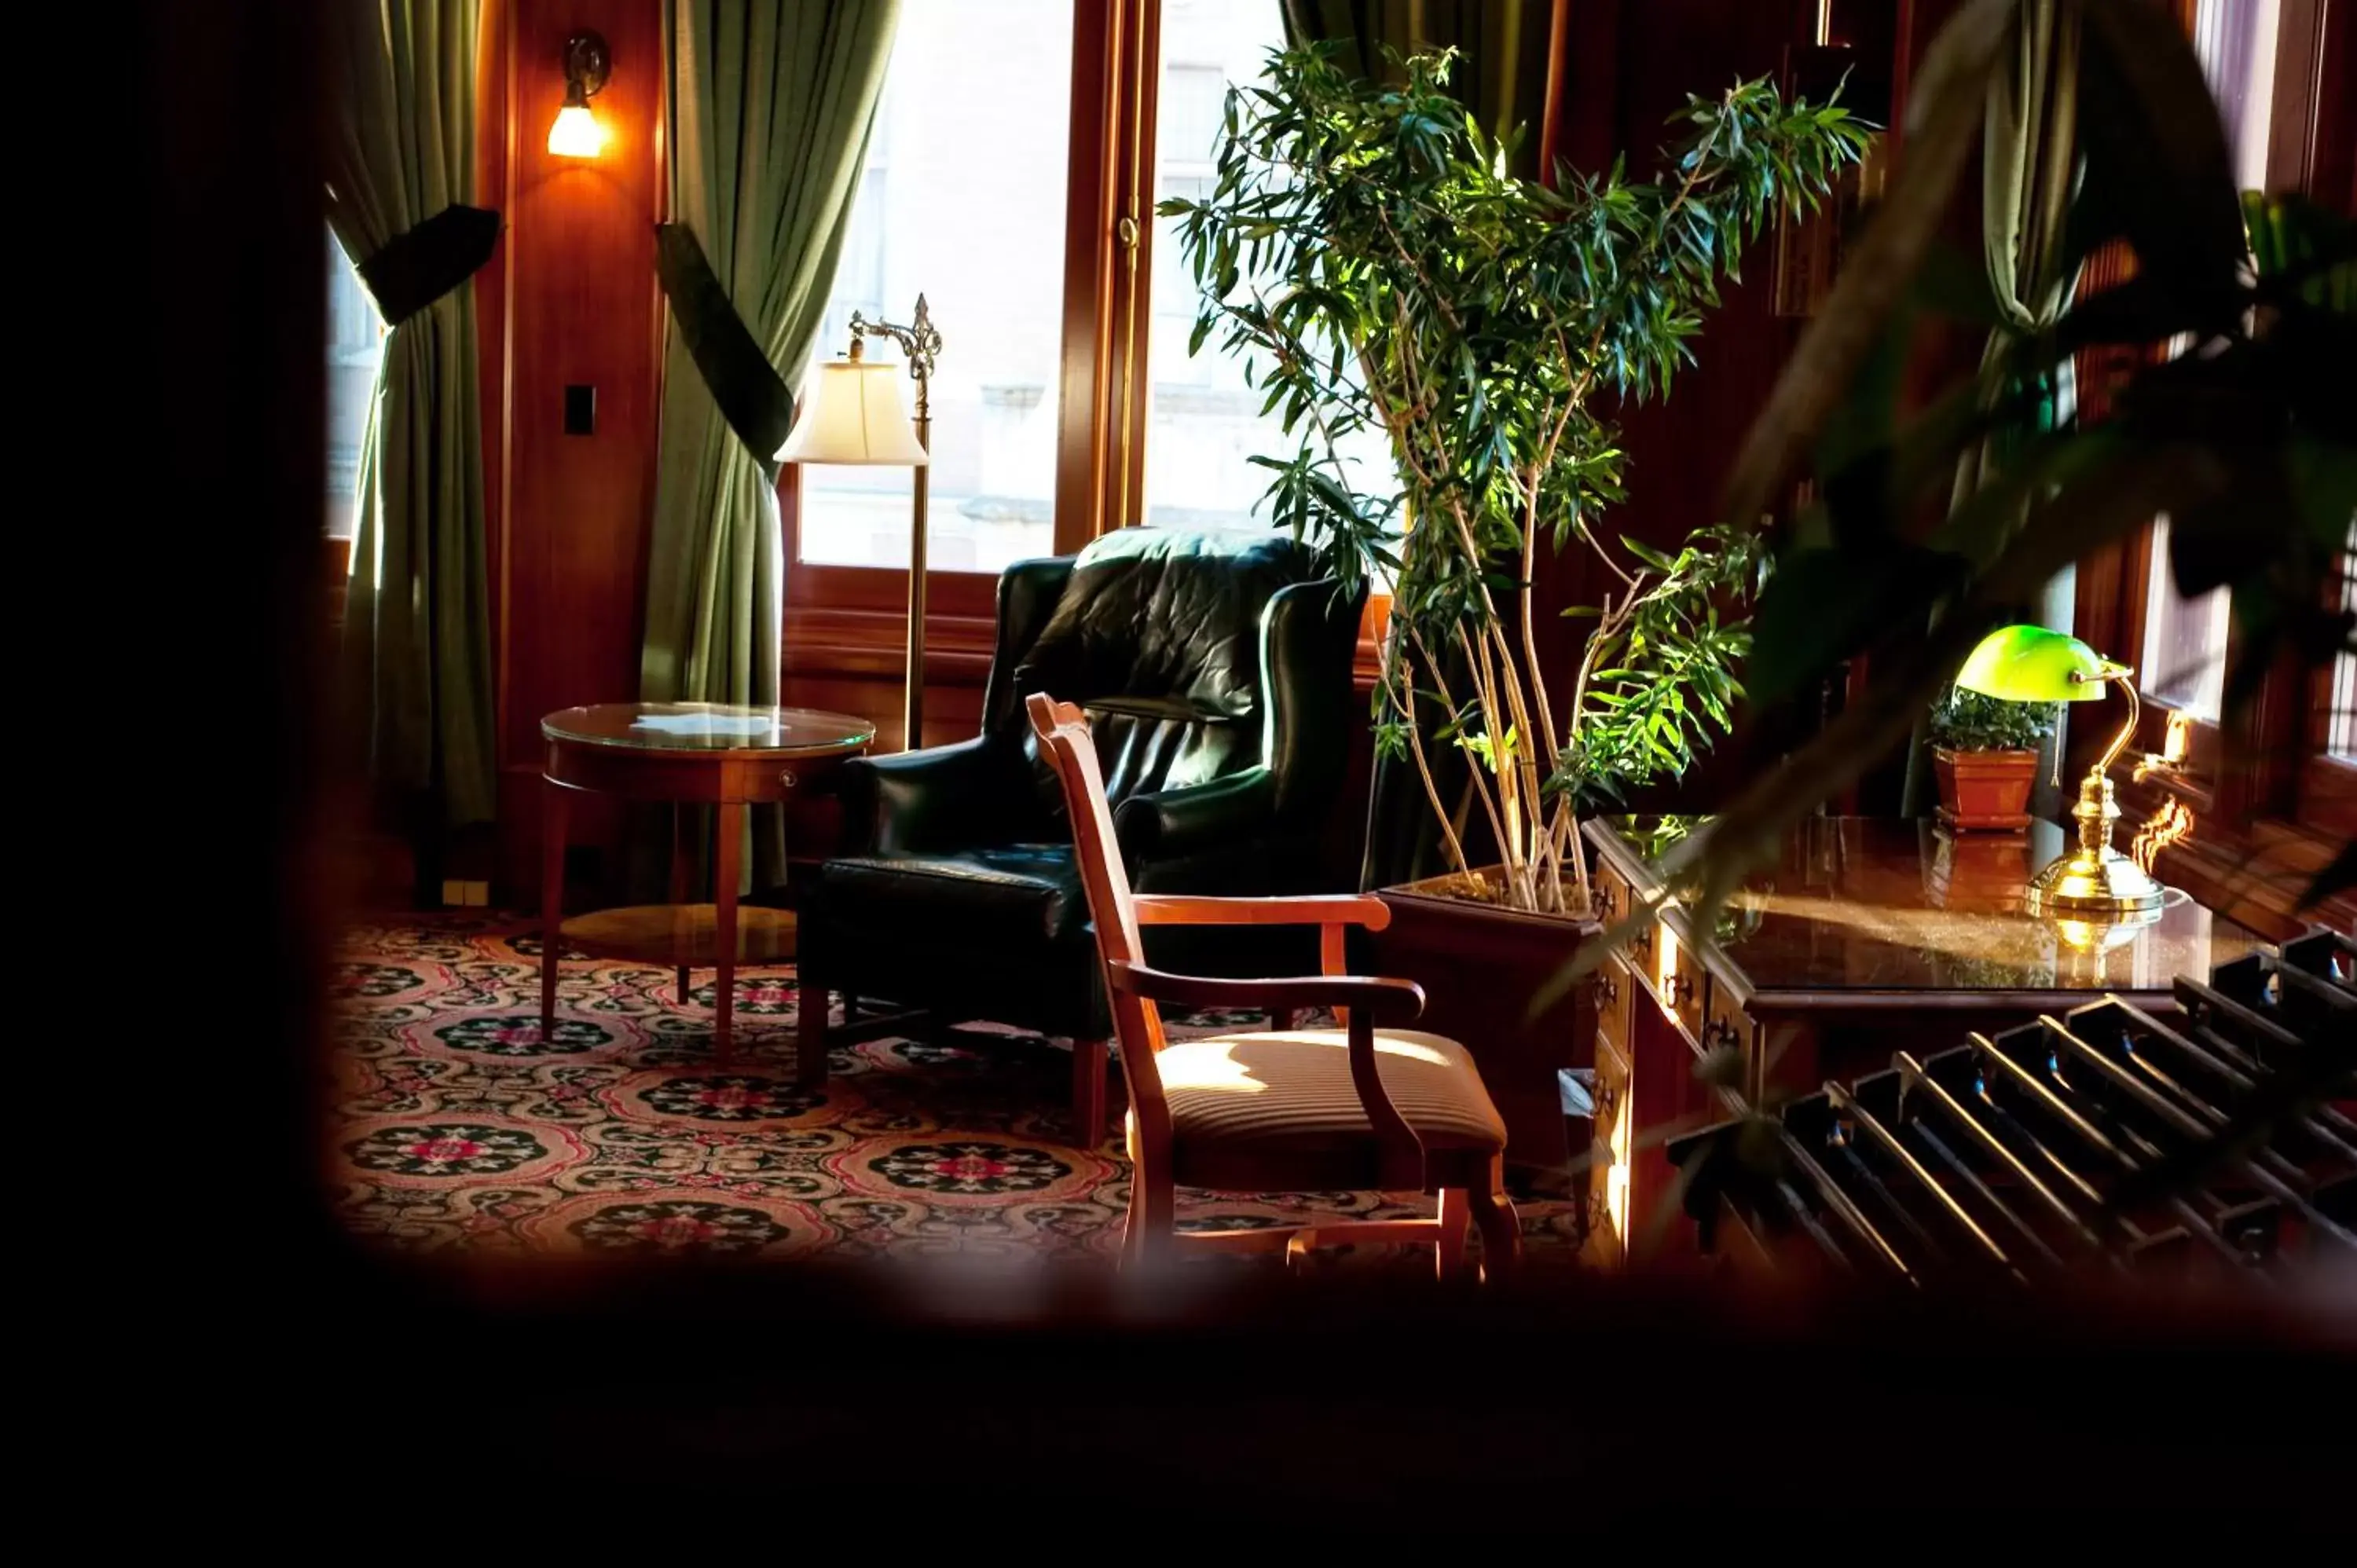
[[1481, 966], [1984, 791]]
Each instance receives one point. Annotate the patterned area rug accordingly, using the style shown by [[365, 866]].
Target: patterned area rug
[[458, 1126]]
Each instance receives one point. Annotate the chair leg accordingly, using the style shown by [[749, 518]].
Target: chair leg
[[1146, 1234], [1501, 1230], [1089, 1093], [1455, 1221], [809, 1031]]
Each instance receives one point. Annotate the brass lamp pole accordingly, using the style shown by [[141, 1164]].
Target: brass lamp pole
[[920, 344]]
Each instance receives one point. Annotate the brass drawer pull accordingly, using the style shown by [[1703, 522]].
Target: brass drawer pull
[[1683, 990], [786, 778], [1720, 1032], [1608, 990]]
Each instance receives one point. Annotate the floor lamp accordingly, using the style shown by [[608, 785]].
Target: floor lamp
[[851, 414]]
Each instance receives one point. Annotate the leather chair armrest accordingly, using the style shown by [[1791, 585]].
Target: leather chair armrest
[[914, 800], [1171, 824]]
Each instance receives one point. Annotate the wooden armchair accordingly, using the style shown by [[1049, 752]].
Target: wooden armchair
[[1363, 1107]]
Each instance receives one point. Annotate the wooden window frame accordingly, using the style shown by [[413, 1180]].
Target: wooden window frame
[[845, 619], [2270, 804], [853, 620]]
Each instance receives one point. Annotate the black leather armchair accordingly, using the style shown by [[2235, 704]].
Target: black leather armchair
[[1217, 678]]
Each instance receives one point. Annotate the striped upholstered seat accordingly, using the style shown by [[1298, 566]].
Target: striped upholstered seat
[[1277, 1112]]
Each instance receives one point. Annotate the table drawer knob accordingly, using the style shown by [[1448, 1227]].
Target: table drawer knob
[[786, 778]]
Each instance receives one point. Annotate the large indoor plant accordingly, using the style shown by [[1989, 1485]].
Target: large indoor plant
[[1383, 276], [1366, 252], [1985, 752]]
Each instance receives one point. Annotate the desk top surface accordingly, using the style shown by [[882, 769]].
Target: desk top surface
[[1870, 904]]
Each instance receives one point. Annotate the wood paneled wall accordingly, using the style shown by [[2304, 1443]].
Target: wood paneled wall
[[1628, 66], [571, 300]]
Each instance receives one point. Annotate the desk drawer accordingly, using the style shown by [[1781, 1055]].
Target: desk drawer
[[1726, 1024], [1610, 891], [1679, 980], [1609, 1154], [1615, 988]]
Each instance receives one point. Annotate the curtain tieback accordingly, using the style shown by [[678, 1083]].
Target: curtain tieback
[[752, 397], [413, 270]]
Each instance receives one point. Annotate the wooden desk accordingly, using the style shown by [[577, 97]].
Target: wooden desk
[[1868, 936], [686, 754]]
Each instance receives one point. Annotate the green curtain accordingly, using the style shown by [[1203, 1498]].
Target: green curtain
[[416, 636], [2029, 174], [770, 106], [1502, 77]]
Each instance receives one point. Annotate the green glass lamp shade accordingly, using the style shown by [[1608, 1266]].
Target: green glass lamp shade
[[2031, 665]]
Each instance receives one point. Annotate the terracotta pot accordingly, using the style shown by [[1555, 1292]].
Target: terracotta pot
[[1481, 965], [1984, 791]]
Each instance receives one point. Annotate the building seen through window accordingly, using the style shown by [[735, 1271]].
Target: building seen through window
[[963, 201], [1204, 422], [355, 339]]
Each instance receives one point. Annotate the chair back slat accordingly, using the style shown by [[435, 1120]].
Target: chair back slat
[[1063, 732]]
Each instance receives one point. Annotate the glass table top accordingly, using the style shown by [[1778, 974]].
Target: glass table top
[[1889, 904], [709, 726]]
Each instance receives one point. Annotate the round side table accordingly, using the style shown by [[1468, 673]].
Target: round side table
[[688, 753]]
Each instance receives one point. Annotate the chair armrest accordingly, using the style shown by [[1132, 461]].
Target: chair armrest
[[913, 800], [1301, 910], [1171, 824], [1365, 996], [1399, 1153]]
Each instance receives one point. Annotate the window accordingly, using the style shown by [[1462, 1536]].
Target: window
[[2274, 784], [963, 201], [2185, 639], [355, 341], [1203, 423], [1065, 402]]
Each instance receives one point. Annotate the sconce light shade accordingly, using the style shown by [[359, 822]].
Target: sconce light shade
[[576, 133], [850, 414], [2031, 665]]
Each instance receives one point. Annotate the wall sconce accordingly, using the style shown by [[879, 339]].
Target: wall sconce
[[576, 133]]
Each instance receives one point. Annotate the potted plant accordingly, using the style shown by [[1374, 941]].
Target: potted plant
[[1383, 277], [1985, 750]]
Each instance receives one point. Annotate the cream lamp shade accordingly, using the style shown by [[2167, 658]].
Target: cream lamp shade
[[852, 414]]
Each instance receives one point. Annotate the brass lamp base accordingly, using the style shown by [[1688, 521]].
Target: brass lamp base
[[2096, 883], [2101, 886]]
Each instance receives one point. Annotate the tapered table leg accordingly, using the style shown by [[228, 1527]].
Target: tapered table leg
[[679, 859], [553, 812], [727, 854]]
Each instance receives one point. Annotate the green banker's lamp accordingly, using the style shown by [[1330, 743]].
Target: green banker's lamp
[[2093, 882]]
